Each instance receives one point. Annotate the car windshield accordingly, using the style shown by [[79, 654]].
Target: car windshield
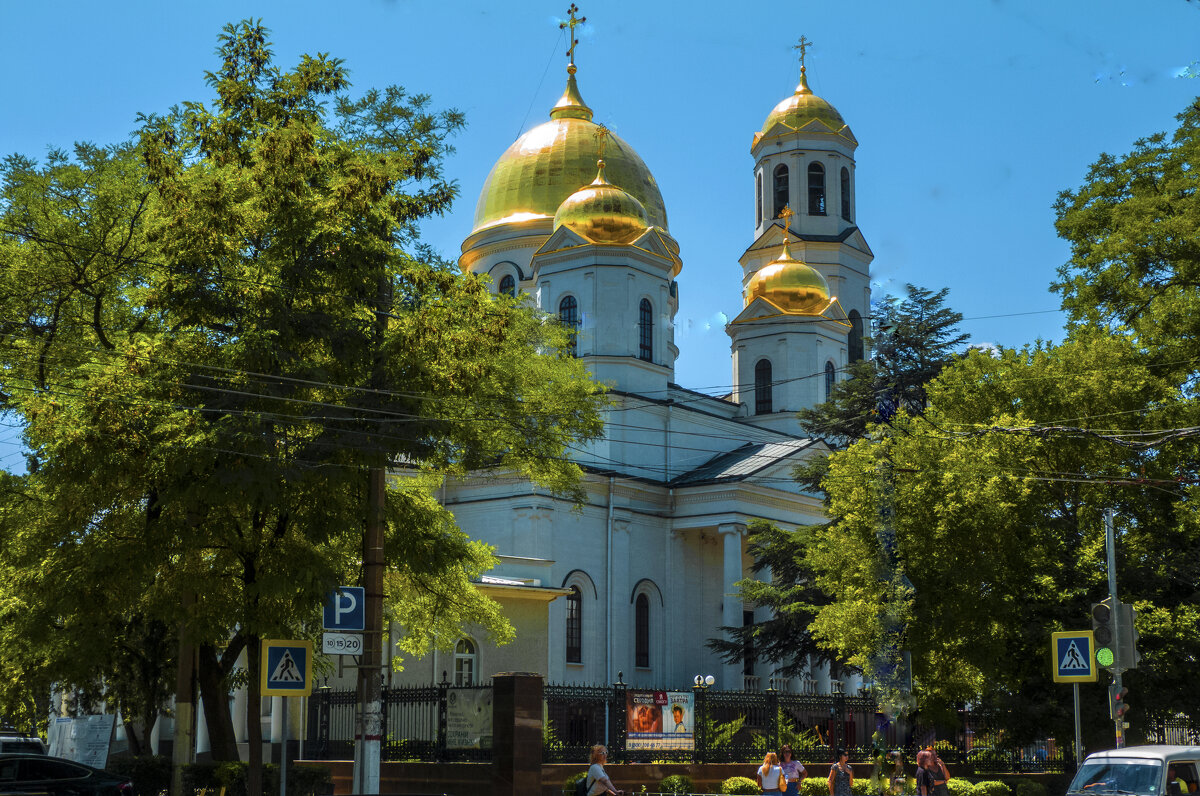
[[1118, 776]]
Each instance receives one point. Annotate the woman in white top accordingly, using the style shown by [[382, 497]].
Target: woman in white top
[[770, 775], [597, 778]]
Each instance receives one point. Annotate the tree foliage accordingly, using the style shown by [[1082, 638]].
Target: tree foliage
[[918, 336], [259, 326], [1000, 533], [1135, 251]]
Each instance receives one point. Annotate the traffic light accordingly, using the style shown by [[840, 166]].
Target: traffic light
[[1102, 632], [1127, 639], [1117, 706]]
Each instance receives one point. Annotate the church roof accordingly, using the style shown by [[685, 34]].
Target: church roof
[[741, 463]]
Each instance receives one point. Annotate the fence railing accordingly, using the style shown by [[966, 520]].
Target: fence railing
[[444, 723], [431, 723]]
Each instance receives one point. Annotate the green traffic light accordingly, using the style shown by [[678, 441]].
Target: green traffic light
[[1104, 656]]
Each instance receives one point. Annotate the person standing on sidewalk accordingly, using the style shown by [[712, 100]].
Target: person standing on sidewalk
[[793, 772], [841, 775]]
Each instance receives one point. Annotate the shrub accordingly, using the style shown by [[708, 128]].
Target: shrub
[[150, 775], [1028, 787], [814, 785], [862, 785], [959, 786], [741, 786], [677, 783], [302, 780], [991, 787]]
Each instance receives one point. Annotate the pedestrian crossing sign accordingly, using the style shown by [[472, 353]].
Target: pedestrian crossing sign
[[1073, 657], [286, 668]]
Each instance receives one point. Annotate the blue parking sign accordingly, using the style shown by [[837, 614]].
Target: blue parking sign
[[1073, 656], [286, 668], [346, 609]]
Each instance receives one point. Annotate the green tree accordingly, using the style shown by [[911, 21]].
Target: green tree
[[918, 336], [1000, 488], [282, 332], [1135, 251]]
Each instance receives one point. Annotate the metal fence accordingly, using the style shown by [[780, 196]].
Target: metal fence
[[433, 723], [741, 726]]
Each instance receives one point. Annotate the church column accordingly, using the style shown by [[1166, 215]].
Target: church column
[[731, 537], [622, 633]]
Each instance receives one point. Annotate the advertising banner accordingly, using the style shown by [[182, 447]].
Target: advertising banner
[[469, 718], [659, 720]]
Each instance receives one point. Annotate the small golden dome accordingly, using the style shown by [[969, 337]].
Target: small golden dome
[[803, 107], [794, 287], [549, 163], [602, 212]]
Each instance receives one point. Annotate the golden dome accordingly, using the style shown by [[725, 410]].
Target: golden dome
[[794, 287], [549, 163], [803, 107], [602, 212]]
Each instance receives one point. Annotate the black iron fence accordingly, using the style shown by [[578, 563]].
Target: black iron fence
[[445, 723], [429, 723], [741, 726]]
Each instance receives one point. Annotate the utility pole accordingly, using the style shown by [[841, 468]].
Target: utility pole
[[1111, 546], [185, 703]]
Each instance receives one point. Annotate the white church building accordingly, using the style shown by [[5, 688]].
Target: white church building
[[643, 575]]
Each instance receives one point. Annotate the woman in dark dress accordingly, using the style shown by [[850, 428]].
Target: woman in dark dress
[[841, 776]]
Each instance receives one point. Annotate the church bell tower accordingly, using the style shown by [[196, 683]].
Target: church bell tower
[[806, 276]]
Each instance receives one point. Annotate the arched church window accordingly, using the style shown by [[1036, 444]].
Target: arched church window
[[762, 387], [575, 626], [845, 193], [781, 190], [641, 631], [508, 285], [568, 316], [646, 331], [855, 339], [758, 199], [830, 376], [816, 189], [465, 663]]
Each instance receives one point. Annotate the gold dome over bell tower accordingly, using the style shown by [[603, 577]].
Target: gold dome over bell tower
[[550, 162], [789, 285]]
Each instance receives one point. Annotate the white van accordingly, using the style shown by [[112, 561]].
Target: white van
[[1140, 771]]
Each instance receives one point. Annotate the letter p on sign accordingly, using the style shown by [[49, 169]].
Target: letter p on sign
[[345, 609]]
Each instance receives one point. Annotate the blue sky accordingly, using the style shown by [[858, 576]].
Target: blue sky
[[970, 114]]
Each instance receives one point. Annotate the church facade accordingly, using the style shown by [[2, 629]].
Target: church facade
[[642, 575]]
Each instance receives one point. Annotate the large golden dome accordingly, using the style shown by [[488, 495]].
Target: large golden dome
[[794, 287], [803, 107], [602, 212], [551, 161]]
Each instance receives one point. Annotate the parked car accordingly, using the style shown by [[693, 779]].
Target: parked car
[[39, 773], [1139, 771], [11, 741]]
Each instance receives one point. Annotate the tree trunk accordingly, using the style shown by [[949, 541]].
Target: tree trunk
[[212, 676], [254, 775], [131, 737]]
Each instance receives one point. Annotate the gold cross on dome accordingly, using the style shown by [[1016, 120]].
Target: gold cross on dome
[[786, 214], [602, 133], [571, 23], [803, 46]]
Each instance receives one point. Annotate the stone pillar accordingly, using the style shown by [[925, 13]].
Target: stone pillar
[[731, 614], [516, 733]]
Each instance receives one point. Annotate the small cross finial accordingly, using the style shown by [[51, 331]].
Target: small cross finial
[[786, 214], [571, 23], [803, 46]]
